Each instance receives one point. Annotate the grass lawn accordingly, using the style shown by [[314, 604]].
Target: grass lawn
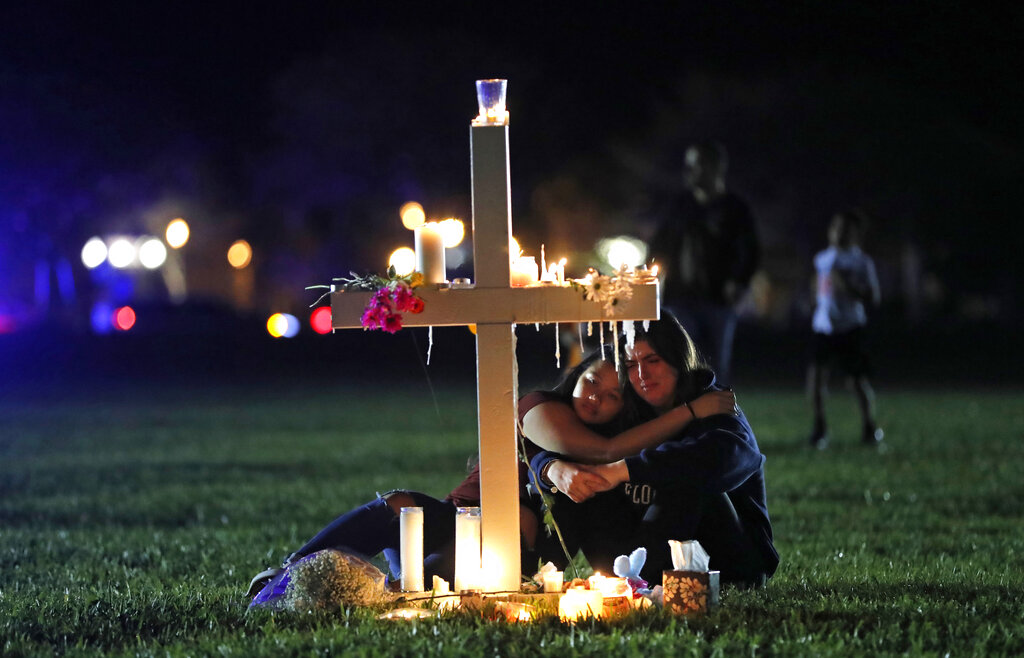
[[131, 521]]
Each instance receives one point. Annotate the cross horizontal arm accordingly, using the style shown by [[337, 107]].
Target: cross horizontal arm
[[543, 304]]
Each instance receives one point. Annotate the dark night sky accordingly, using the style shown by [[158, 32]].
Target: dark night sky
[[258, 110]]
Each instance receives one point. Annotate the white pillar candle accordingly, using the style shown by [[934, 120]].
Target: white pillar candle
[[441, 586], [553, 581], [429, 243], [411, 545], [467, 548]]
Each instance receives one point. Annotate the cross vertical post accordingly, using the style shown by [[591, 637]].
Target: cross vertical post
[[495, 361]]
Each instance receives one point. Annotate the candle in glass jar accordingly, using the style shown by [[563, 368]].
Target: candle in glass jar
[[578, 602], [553, 581], [524, 271], [467, 548], [429, 243], [411, 548], [614, 587]]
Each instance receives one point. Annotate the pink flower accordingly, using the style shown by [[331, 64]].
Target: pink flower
[[374, 316], [386, 305], [392, 323], [403, 296]]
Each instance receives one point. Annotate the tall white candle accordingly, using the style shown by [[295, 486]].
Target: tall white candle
[[429, 243], [411, 545], [467, 548]]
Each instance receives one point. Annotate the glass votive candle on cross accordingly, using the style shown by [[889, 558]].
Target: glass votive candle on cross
[[490, 99]]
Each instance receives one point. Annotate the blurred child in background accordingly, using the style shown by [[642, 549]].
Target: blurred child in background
[[846, 283]]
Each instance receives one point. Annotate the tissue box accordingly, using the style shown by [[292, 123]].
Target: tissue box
[[690, 592]]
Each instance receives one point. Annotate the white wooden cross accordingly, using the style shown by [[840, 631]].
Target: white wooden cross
[[496, 307]]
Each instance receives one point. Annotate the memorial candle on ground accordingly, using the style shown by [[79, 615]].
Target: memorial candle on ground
[[411, 548], [553, 581], [578, 603], [467, 548], [429, 243]]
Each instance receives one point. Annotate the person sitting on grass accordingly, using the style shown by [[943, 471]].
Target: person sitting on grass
[[705, 483], [582, 416]]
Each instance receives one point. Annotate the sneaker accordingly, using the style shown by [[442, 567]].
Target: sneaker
[[819, 438], [261, 579], [872, 435]]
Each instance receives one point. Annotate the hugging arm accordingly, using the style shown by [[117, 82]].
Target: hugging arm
[[716, 460], [555, 427]]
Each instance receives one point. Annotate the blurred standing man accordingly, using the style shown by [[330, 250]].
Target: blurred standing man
[[706, 245]]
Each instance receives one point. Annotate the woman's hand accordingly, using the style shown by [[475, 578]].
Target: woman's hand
[[575, 480], [714, 403], [614, 473]]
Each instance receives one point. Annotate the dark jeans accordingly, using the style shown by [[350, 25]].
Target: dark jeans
[[374, 528], [683, 513], [609, 525]]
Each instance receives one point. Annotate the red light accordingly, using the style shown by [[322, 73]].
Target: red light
[[124, 318], [320, 320]]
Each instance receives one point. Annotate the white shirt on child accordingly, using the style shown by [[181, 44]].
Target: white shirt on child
[[838, 311]]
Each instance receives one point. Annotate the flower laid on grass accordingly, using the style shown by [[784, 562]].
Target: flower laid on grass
[[330, 579], [392, 296]]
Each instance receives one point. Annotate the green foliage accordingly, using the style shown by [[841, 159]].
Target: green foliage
[[132, 520]]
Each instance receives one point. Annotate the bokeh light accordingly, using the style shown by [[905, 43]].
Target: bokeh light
[[177, 233], [94, 253], [403, 260], [124, 318], [412, 215], [121, 253], [320, 320], [152, 253], [622, 250], [282, 325], [7, 324], [452, 232], [101, 317], [240, 254]]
